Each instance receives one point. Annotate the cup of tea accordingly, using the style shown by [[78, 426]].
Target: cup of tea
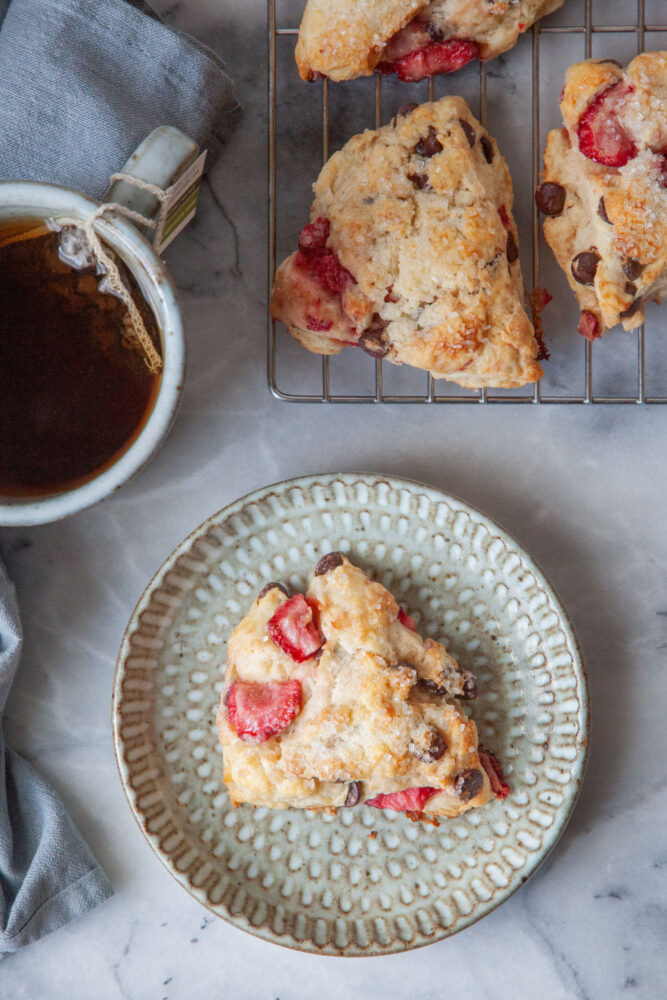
[[81, 407]]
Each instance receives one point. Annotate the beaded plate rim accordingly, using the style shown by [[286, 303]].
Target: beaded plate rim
[[572, 790]]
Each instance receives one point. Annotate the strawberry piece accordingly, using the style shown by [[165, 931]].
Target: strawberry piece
[[409, 800], [493, 768], [313, 237], [601, 137], [662, 168], [293, 629], [504, 217], [438, 57], [319, 261], [318, 325], [406, 620], [256, 712], [589, 327]]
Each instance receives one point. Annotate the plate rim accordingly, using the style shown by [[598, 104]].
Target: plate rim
[[307, 946]]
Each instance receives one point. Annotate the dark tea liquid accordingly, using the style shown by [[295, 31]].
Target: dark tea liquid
[[74, 394]]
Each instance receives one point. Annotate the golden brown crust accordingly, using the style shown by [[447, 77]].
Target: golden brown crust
[[634, 196], [343, 39], [364, 718], [431, 262]]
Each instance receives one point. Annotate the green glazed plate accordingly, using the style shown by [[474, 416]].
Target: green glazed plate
[[363, 882]]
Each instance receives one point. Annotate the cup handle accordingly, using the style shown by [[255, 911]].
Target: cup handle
[[159, 159]]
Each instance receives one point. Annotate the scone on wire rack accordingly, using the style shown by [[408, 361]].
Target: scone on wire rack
[[332, 699], [604, 193], [343, 39], [412, 254]]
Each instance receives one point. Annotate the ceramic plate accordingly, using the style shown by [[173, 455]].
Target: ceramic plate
[[363, 882]]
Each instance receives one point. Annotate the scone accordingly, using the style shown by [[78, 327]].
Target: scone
[[332, 699], [342, 39], [604, 193], [412, 253]]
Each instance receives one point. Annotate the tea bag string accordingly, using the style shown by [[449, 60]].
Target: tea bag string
[[114, 280]]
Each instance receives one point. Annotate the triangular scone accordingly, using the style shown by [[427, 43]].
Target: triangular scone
[[332, 699], [412, 253], [343, 39], [604, 193]]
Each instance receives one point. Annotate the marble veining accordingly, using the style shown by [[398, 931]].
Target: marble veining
[[584, 492]]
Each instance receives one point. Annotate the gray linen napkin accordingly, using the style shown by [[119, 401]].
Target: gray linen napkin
[[82, 82], [47, 874]]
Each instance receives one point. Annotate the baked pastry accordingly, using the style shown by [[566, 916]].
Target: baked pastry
[[332, 699], [604, 192], [343, 39], [412, 253]]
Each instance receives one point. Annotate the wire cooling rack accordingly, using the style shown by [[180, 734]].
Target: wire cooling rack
[[307, 122]]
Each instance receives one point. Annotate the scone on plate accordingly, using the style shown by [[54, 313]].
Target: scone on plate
[[604, 193], [332, 699], [412, 254], [342, 39]]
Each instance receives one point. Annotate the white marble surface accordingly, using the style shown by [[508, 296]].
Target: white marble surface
[[582, 488]]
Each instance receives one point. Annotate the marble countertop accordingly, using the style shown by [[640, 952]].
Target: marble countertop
[[582, 488]]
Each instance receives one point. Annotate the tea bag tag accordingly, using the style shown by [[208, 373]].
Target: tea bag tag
[[179, 204]]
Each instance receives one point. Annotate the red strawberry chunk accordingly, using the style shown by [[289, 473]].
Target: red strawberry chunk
[[293, 629], [589, 327], [662, 168], [601, 136], [321, 262], [318, 325], [504, 217], [409, 800], [330, 272], [493, 768], [438, 57], [406, 620], [313, 237], [256, 712]]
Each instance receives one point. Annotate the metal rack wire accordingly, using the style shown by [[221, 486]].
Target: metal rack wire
[[432, 392]]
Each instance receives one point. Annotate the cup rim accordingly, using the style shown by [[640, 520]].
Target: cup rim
[[151, 274]]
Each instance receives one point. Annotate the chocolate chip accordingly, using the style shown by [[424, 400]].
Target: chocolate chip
[[372, 343], [271, 586], [432, 687], [468, 784], [435, 32], [331, 561], [630, 288], [469, 687], [420, 181], [353, 793], [512, 248], [429, 145], [584, 266], [602, 212], [434, 751], [404, 665], [632, 268], [469, 131], [632, 309], [403, 112], [550, 198], [487, 147]]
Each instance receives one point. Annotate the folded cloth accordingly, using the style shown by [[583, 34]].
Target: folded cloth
[[84, 81], [47, 874]]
